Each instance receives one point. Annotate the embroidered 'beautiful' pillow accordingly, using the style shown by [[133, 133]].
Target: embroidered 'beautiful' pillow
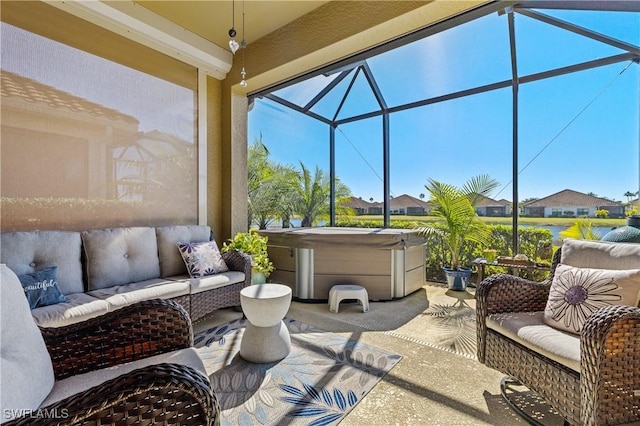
[[576, 293], [41, 287], [202, 259]]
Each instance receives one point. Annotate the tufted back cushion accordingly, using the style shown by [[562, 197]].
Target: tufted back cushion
[[27, 252], [600, 254], [26, 372], [120, 256], [171, 263]]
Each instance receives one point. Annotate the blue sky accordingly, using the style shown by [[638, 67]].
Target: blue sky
[[579, 131]]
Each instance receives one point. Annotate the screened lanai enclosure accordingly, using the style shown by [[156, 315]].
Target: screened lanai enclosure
[[542, 96]]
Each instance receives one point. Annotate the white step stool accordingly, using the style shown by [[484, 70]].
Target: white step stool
[[341, 292]]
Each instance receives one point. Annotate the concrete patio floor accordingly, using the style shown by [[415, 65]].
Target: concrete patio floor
[[429, 386]]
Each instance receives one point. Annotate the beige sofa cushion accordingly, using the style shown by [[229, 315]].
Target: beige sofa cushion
[[82, 382], [120, 256], [171, 263], [529, 329], [26, 372], [209, 282], [124, 295], [79, 307], [600, 254], [27, 252]]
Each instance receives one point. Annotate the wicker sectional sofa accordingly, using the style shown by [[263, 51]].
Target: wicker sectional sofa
[[103, 270]]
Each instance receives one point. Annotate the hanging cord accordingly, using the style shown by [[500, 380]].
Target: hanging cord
[[568, 124], [362, 156]]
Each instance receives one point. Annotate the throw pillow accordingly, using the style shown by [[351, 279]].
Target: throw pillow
[[41, 287], [576, 293], [202, 259]]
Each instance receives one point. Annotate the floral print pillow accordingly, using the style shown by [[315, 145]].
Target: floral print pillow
[[576, 293], [202, 259]]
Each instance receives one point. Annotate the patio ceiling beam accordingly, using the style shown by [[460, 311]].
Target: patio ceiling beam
[[460, 94], [295, 107], [514, 128], [346, 94], [580, 67], [374, 86], [348, 63], [500, 85], [326, 90], [580, 30], [595, 5]]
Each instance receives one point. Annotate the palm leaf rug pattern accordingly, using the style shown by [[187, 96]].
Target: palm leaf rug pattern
[[318, 383]]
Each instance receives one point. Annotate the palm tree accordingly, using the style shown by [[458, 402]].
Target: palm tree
[[630, 195], [582, 229], [311, 198], [456, 219], [269, 185]]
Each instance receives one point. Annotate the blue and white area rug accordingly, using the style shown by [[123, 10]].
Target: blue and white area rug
[[318, 383]]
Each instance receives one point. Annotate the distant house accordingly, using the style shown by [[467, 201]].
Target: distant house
[[407, 205], [494, 208], [359, 205], [569, 203], [401, 205]]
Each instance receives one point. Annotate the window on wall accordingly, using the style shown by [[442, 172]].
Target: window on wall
[[88, 142]]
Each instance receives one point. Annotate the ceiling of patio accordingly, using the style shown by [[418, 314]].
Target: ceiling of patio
[[211, 20]]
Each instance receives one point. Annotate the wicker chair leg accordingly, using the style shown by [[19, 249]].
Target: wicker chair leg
[[505, 385]]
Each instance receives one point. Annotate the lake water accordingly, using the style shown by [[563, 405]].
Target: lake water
[[555, 230]]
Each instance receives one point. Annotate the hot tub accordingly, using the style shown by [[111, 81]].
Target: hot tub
[[389, 263]]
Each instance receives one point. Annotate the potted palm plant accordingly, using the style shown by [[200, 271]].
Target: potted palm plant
[[456, 222], [255, 246]]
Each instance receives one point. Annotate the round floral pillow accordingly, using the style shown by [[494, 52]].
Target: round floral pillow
[[576, 293]]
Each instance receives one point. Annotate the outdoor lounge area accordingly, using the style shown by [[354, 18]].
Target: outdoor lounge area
[[141, 140]]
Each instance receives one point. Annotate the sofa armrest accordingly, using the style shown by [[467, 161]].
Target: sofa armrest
[[134, 332], [508, 293], [238, 261], [159, 394], [501, 293], [609, 364]]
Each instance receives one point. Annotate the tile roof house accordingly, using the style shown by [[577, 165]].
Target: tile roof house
[[359, 205], [407, 205], [569, 203], [489, 207], [401, 205], [31, 127]]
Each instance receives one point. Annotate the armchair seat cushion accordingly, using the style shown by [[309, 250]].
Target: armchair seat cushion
[[82, 382], [529, 329], [124, 295], [78, 307]]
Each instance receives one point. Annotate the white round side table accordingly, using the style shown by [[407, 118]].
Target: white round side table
[[266, 338]]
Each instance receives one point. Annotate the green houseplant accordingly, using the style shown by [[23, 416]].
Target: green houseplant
[[255, 246], [457, 222]]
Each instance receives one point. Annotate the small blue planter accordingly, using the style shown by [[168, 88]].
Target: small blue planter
[[457, 279]]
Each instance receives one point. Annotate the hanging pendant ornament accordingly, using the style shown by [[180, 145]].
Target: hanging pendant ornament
[[243, 82], [243, 44], [233, 44]]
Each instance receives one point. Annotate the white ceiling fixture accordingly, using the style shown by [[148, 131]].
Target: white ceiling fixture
[[145, 27]]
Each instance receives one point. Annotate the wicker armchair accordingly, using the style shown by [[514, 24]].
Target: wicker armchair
[[148, 390], [605, 389]]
